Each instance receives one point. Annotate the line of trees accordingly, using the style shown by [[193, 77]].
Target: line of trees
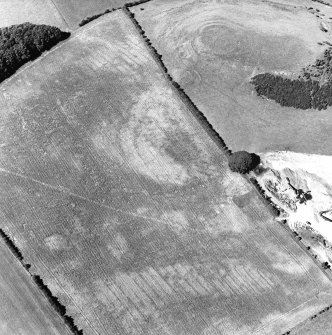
[[13, 248], [136, 3], [22, 43], [93, 17], [59, 308], [96, 16], [312, 317], [322, 2], [276, 210], [185, 98]]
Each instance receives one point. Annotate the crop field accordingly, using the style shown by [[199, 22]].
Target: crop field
[[214, 48], [23, 308], [34, 11], [126, 208], [74, 11]]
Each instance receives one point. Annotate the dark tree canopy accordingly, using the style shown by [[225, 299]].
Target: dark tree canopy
[[93, 17], [243, 161], [287, 92], [313, 89], [22, 43]]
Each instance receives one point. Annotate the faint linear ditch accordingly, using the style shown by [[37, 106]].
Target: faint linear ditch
[[60, 13]]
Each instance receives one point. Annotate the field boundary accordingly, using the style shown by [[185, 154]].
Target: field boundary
[[324, 310], [53, 300], [88, 19], [322, 2], [215, 136], [199, 116], [107, 11]]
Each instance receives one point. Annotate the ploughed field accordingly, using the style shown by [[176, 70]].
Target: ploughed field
[[24, 310], [214, 48], [126, 208]]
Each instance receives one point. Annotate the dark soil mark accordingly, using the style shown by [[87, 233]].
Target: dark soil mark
[[244, 199]]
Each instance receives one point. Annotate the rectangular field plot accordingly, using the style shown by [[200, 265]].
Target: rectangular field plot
[[214, 48], [126, 208], [34, 11], [23, 308]]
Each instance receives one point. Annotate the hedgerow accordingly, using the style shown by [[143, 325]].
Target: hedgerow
[[93, 17], [13, 248], [56, 304], [96, 16], [59, 308], [180, 91]]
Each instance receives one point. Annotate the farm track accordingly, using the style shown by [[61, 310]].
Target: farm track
[[193, 286]]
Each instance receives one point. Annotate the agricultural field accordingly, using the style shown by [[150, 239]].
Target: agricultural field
[[74, 11], [34, 11], [126, 207], [23, 309], [214, 48]]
